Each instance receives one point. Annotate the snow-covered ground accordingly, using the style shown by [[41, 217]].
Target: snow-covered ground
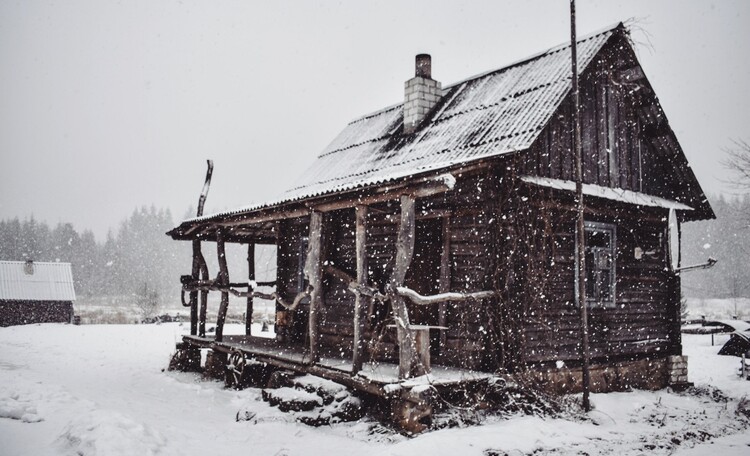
[[101, 390]]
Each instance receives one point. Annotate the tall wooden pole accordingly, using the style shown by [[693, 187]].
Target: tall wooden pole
[[198, 262], [580, 233]]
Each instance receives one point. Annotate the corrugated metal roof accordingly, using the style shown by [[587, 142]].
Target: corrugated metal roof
[[47, 282], [488, 115]]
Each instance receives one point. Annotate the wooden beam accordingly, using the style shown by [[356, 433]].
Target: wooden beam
[[362, 302], [314, 275], [223, 279], [428, 187], [250, 278], [408, 365]]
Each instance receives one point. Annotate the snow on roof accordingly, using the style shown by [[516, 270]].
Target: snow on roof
[[613, 194], [492, 114], [36, 281]]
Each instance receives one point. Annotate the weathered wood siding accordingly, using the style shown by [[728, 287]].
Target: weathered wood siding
[[290, 258], [619, 129], [14, 313], [337, 313], [644, 316]]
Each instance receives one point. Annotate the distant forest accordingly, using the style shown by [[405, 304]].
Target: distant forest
[[139, 256], [727, 239]]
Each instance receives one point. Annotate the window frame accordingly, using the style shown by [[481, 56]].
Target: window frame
[[611, 230]]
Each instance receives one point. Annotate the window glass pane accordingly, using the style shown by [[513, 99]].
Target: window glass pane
[[599, 257], [604, 286], [597, 238]]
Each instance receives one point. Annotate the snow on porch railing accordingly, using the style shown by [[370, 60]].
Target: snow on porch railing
[[417, 298], [211, 285]]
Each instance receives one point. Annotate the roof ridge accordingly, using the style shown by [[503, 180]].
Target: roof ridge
[[527, 59]]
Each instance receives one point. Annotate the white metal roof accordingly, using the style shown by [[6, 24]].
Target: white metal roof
[[613, 194], [495, 113], [40, 282]]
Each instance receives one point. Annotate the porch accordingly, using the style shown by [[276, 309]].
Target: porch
[[374, 377]]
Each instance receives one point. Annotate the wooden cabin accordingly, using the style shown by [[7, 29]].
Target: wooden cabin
[[35, 292], [438, 234]]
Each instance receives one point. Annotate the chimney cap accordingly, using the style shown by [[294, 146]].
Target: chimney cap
[[423, 66]]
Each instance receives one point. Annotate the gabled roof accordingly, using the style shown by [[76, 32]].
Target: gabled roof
[[39, 282], [488, 115]]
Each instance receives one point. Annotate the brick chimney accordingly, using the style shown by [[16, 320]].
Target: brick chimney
[[422, 93]]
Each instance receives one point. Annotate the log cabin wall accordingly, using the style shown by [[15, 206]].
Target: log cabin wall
[[290, 257], [472, 231], [337, 313], [644, 319], [618, 124]]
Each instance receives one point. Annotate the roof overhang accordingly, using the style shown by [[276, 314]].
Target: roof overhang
[[612, 194], [259, 225]]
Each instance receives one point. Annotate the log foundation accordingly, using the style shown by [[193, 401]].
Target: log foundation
[[648, 374]]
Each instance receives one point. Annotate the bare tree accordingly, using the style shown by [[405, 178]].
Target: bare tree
[[738, 163]]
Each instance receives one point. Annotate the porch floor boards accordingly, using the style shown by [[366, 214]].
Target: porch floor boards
[[372, 377]]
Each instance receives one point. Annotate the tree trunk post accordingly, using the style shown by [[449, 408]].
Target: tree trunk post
[[361, 303], [314, 275], [250, 278], [204, 299], [408, 364], [223, 281], [195, 275]]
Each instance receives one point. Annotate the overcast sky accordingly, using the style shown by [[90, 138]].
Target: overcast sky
[[109, 105]]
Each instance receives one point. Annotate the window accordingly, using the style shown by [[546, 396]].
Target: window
[[600, 264]]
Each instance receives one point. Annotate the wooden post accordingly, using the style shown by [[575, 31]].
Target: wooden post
[[408, 364], [581, 234], [250, 278], [445, 278], [314, 275], [223, 281], [362, 302], [195, 274], [204, 298]]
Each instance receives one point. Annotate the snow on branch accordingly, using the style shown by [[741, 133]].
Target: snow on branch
[[417, 298]]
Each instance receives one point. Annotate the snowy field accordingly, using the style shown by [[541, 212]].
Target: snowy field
[[100, 390]]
